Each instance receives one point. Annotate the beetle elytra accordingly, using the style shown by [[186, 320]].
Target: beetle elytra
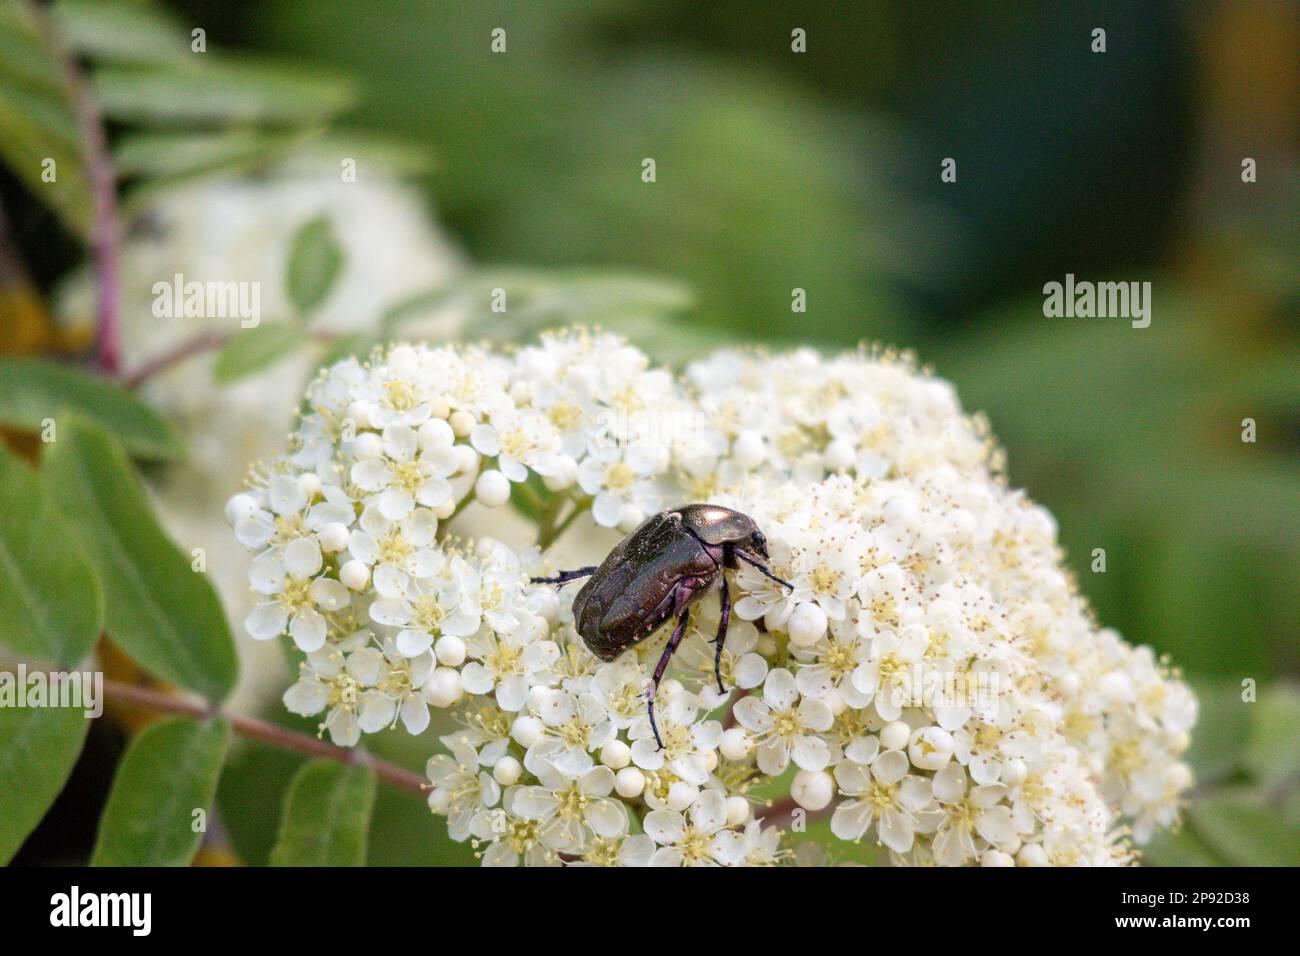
[[654, 574]]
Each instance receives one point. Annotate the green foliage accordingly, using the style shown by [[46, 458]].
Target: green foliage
[[1244, 756], [38, 747], [212, 111], [315, 260], [252, 350], [1273, 754], [326, 816], [1244, 833], [169, 773], [162, 613], [51, 605], [32, 391], [37, 121]]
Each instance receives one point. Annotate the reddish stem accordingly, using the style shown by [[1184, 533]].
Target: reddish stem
[[105, 234], [203, 342], [267, 733]]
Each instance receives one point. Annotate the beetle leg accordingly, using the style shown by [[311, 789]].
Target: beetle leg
[[663, 666], [721, 639], [763, 568], [564, 577]]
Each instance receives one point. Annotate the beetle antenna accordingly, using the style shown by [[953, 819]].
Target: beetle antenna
[[763, 568], [564, 577]]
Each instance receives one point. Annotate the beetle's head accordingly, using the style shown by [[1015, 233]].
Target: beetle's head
[[758, 544]]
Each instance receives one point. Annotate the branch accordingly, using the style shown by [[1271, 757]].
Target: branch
[[203, 342], [267, 733], [105, 234]]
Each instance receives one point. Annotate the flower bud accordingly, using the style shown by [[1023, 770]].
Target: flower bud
[[807, 625], [812, 789], [354, 575], [492, 488], [616, 755], [629, 782]]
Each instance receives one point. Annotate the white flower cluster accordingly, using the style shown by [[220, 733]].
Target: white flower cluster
[[241, 229], [932, 680]]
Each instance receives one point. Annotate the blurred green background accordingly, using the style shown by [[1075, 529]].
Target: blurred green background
[[821, 171]]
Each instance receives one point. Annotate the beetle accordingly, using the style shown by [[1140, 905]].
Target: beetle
[[671, 560]]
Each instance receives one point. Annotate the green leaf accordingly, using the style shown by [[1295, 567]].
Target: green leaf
[[227, 91], [121, 31], [252, 350], [185, 154], [51, 605], [535, 298], [168, 772], [1244, 832], [163, 614], [1273, 753], [315, 260], [32, 391], [37, 122], [1179, 848], [326, 816], [38, 748], [1224, 722]]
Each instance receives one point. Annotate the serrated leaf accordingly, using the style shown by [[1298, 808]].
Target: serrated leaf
[[252, 350], [38, 748], [1244, 832], [51, 606], [326, 816], [32, 391], [163, 614], [168, 773], [226, 91], [315, 260]]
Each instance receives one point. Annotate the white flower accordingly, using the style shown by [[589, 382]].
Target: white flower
[[572, 810], [689, 746], [785, 726], [703, 841], [574, 725], [519, 439], [622, 481], [964, 815], [396, 550], [635, 850], [296, 597], [395, 693], [507, 665], [887, 798], [334, 681], [430, 607], [404, 476], [460, 788]]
